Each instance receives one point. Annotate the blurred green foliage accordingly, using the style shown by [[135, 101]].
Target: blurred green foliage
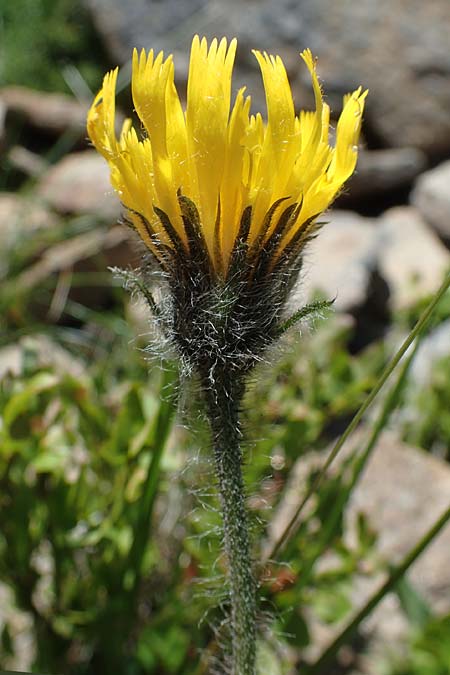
[[428, 652], [79, 476], [87, 482], [431, 429], [39, 37]]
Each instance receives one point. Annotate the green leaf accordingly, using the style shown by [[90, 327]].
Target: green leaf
[[313, 308], [413, 604], [296, 628], [333, 604], [22, 401], [167, 647], [6, 641]]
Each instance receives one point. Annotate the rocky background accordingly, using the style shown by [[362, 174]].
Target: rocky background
[[391, 227], [387, 244]]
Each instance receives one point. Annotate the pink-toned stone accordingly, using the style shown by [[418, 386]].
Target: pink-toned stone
[[54, 113], [79, 183]]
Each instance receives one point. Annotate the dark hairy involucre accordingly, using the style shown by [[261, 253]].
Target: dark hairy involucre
[[218, 321]]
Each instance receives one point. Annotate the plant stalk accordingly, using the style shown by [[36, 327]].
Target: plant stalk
[[421, 324], [321, 665], [223, 397]]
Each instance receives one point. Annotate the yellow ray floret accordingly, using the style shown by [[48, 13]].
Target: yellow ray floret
[[225, 160]]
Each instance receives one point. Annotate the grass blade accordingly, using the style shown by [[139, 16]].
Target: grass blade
[[389, 585], [388, 370], [359, 463]]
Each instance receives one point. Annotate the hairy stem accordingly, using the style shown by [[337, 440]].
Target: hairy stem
[[223, 397]]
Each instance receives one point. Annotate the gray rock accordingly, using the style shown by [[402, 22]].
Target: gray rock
[[97, 249], [402, 492], [79, 183], [340, 262], [397, 48], [139, 23], [381, 171], [412, 259], [433, 348], [80, 253], [431, 196], [29, 162], [19, 214], [19, 217], [53, 113]]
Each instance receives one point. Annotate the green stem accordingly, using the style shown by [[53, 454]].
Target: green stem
[[394, 577], [223, 398], [328, 529]]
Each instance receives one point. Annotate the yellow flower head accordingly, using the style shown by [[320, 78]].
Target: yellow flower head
[[216, 177]]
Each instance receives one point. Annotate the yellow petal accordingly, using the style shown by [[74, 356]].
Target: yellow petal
[[347, 135], [101, 117], [233, 193], [222, 162], [207, 113]]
